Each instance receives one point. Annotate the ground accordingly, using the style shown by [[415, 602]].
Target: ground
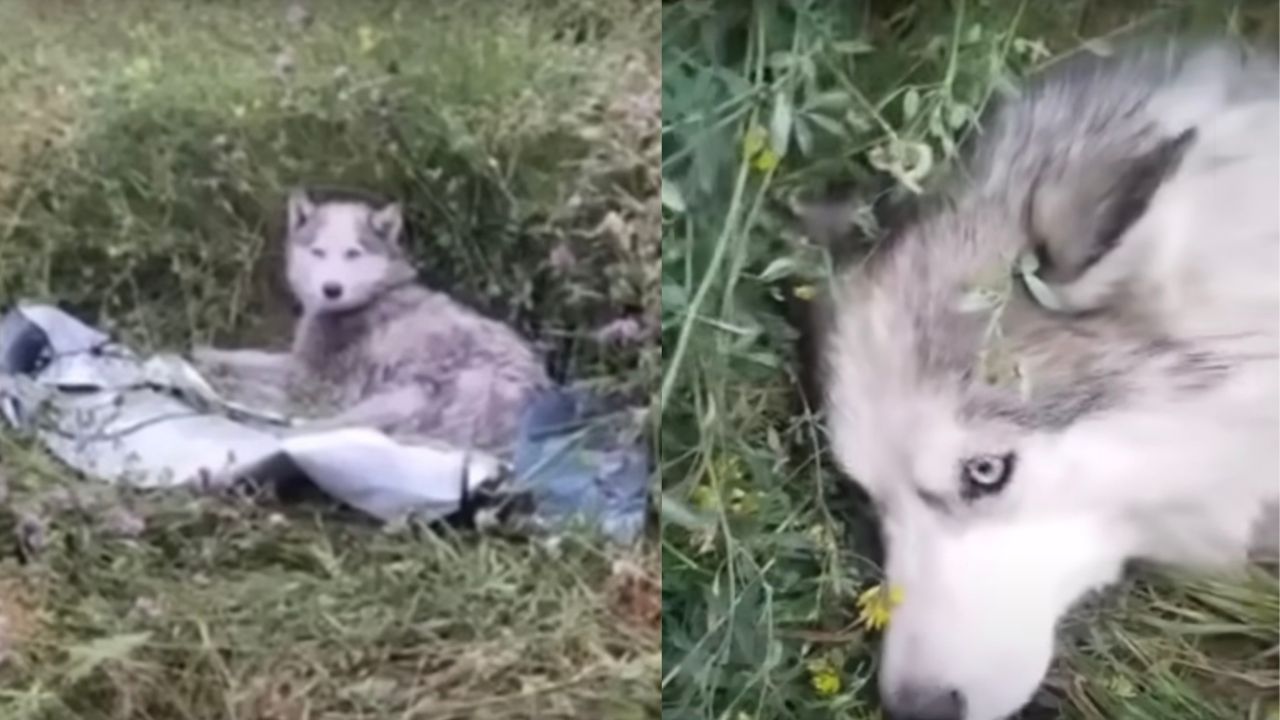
[[147, 152], [765, 552]]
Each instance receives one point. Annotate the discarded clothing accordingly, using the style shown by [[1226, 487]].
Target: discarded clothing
[[156, 422]]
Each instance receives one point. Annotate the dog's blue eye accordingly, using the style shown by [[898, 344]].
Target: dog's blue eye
[[352, 254], [318, 253], [985, 475]]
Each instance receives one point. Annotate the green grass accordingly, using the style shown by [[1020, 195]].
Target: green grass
[[147, 152], [763, 552]]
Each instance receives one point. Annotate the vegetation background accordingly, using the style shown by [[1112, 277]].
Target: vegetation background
[[146, 154], [764, 549]]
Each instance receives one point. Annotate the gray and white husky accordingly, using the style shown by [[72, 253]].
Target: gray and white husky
[[380, 349], [1067, 362]]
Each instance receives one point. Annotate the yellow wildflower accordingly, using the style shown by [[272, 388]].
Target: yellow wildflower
[[804, 292], [766, 160], [824, 678], [724, 473], [755, 147], [875, 606], [704, 498]]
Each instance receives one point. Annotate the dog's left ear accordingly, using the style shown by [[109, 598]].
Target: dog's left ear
[[387, 223]]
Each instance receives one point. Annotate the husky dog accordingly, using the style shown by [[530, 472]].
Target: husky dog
[[1067, 362], [382, 350]]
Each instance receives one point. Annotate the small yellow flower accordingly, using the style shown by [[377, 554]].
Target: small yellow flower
[[766, 160], [704, 498], [755, 147], [875, 606], [824, 678], [805, 292]]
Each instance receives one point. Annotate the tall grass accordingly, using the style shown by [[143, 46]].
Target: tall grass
[[764, 549], [147, 152]]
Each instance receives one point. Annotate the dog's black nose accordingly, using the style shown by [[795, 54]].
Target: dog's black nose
[[333, 291], [914, 703]]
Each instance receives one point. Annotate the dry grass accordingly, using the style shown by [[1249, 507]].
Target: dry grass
[[147, 151]]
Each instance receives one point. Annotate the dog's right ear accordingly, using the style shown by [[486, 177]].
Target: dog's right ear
[[301, 208], [844, 219], [830, 218], [833, 219]]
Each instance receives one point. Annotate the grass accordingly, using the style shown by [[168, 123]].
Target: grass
[[764, 549], [147, 153]]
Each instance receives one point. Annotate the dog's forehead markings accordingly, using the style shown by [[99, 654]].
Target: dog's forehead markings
[[341, 224]]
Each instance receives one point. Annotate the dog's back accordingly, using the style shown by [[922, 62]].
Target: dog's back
[[476, 373]]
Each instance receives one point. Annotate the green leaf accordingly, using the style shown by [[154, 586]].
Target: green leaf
[[826, 123], [778, 269], [804, 136], [910, 104], [672, 198], [857, 120], [830, 100]]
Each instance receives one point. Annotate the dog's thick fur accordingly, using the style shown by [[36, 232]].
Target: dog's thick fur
[[1026, 434], [381, 349]]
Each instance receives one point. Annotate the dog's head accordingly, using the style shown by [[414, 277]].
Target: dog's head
[[342, 254], [1012, 378]]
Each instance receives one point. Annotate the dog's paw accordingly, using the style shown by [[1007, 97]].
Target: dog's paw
[[207, 358]]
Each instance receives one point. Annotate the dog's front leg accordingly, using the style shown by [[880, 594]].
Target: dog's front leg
[[384, 411], [260, 365]]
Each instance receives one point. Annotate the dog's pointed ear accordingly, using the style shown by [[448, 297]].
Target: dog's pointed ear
[[1077, 222], [301, 208], [388, 222], [828, 219], [832, 218]]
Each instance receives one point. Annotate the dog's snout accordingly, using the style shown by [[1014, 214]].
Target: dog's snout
[[332, 290], [917, 703]]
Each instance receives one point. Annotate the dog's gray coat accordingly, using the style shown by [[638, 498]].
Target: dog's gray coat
[[385, 351], [1067, 360]]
